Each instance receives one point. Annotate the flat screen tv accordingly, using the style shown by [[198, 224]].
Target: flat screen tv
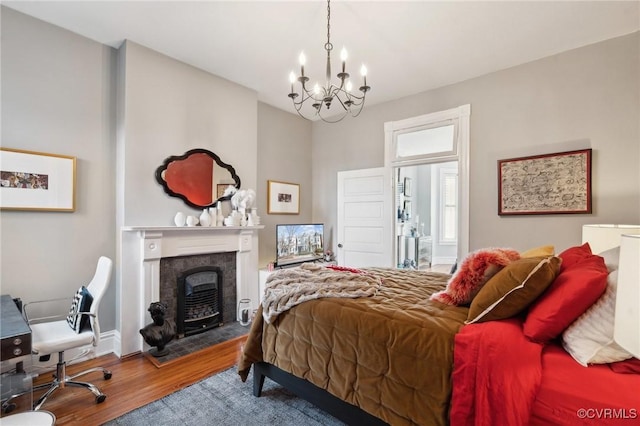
[[298, 243]]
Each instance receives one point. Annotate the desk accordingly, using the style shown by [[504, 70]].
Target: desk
[[14, 332], [15, 350]]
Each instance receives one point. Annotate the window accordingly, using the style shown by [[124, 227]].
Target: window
[[427, 142]]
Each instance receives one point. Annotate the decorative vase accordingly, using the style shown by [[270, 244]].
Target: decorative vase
[[219, 216], [244, 312], [180, 219], [192, 221], [205, 219], [255, 219], [213, 213]]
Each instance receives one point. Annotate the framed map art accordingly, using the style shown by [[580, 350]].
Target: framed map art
[[545, 184]]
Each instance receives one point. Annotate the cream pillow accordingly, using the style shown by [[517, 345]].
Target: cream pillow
[[589, 340]]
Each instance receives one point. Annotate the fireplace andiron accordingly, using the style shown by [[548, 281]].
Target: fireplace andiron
[[161, 332]]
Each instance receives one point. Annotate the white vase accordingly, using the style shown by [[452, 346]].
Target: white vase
[[213, 213], [219, 216], [255, 219], [192, 221], [205, 219], [180, 219]]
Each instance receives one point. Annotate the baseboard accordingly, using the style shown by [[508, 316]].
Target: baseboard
[[442, 260]]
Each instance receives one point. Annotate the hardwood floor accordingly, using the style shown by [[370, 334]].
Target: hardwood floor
[[136, 382]]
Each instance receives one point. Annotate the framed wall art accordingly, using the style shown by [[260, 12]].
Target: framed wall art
[[407, 187], [221, 188], [37, 181], [545, 184], [283, 197]]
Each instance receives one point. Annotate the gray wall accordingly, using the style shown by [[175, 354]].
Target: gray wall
[[58, 97], [167, 108], [60, 92], [584, 98], [284, 152]]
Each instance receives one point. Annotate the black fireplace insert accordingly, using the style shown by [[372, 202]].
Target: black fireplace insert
[[200, 300]]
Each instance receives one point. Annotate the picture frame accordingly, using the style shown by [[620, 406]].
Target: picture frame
[[37, 181], [283, 197], [220, 188], [407, 187], [558, 183]]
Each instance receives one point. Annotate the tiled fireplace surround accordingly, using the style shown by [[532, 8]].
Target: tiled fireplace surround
[[138, 282]]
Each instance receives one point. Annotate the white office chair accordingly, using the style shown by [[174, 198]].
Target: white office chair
[[58, 336]]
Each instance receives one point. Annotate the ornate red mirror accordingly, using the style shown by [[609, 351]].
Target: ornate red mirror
[[198, 177]]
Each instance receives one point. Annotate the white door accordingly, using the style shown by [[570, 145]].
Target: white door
[[365, 218]]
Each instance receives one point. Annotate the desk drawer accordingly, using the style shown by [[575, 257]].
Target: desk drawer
[[15, 346]]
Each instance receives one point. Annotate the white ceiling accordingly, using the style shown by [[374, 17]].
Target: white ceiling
[[407, 46]]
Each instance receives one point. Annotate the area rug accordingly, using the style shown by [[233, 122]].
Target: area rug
[[223, 400]]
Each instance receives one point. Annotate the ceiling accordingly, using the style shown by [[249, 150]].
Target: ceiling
[[407, 46]]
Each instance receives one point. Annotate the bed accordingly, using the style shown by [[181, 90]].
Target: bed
[[404, 357]]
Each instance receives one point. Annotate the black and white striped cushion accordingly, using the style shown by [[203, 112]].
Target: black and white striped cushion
[[81, 303]]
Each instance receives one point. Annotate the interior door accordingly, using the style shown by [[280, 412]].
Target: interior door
[[365, 218]]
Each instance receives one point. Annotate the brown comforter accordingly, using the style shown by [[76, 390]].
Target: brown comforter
[[390, 354]]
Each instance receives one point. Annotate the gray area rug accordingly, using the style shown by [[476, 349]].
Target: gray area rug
[[223, 399]]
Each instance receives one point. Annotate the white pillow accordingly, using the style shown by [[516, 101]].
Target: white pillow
[[611, 258], [589, 339]]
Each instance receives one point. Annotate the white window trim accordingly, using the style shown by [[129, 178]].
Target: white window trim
[[443, 174], [461, 114]]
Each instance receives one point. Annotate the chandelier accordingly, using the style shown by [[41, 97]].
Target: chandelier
[[322, 98]]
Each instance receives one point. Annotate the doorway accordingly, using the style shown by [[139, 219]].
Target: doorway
[[426, 216], [428, 160]]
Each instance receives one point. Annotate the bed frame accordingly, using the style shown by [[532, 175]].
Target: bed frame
[[350, 414]]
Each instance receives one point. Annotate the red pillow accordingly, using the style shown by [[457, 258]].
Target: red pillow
[[629, 366], [573, 255], [572, 292]]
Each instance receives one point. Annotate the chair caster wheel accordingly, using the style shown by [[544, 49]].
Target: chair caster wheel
[[107, 376], [6, 409], [100, 398]]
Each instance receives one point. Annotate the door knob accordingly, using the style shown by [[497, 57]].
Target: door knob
[[339, 245]]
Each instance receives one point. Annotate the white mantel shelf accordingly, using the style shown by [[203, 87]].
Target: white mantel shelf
[[144, 246], [192, 228]]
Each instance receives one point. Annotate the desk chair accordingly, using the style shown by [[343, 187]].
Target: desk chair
[[71, 333]]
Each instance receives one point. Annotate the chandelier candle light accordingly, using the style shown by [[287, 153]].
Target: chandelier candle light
[[329, 93]]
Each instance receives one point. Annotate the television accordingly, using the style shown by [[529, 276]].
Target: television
[[298, 243]]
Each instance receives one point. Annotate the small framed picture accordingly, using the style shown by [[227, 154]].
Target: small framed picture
[[37, 181], [545, 184], [283, 197], [407, 187], [221, 188]]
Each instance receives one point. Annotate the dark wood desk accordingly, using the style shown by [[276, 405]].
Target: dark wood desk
[[14, 332], [15, 352]]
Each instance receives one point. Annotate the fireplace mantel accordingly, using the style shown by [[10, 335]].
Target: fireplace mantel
[[144, 246]]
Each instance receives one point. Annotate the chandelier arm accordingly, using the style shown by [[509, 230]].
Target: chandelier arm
[[328, 120], [345, 107], [360, 108]]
